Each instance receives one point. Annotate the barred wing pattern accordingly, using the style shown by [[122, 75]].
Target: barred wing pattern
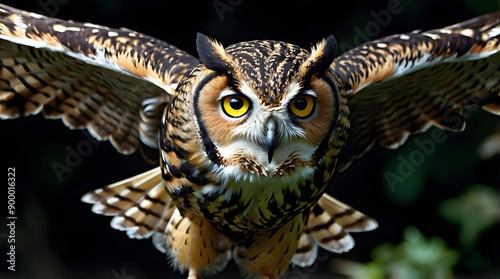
[[113, 82], [141, 207], [328, 226], [403, 84], [140, 204]]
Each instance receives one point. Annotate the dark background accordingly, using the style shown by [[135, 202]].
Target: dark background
[[57, 236]]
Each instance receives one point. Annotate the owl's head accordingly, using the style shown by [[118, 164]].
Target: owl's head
[[265, 108]]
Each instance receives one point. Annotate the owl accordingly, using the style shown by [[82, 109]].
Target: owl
[[247, 136]]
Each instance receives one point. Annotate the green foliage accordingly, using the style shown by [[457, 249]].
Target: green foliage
[[474, 211], [414, 258]]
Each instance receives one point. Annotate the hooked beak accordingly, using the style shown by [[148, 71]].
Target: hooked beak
[[271, 140]]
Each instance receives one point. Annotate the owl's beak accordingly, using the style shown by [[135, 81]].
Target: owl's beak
[[271, 140]]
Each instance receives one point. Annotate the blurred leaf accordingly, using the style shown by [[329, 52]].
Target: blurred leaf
[[475, 210], [490, 147], [414, 258]]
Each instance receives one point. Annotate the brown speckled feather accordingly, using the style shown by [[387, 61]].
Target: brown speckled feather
[[140, 204], [114, 82], [403, 84], [328, 226]]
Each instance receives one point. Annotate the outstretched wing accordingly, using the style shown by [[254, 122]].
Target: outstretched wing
[[113, 82], [403, 84]]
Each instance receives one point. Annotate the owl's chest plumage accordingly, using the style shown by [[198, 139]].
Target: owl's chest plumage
[[255, 203]]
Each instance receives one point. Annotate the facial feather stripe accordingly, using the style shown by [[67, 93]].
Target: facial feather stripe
[[209, 146], [320, 152]]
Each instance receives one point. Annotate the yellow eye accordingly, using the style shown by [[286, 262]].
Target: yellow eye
[[303, 106], [235, 105]]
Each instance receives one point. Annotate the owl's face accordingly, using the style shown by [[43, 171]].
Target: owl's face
[[265, 108]]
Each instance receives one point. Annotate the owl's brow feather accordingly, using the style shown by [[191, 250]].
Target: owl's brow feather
[[268, 65]]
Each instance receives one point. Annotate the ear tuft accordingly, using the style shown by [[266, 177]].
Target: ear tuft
[[212, 54], [322, 56]]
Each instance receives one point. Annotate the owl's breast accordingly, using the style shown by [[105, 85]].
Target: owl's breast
[[255, 203]]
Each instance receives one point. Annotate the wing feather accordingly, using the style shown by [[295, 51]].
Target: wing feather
[[329, 225], [114, 82], [140, 204], [404, 84]]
